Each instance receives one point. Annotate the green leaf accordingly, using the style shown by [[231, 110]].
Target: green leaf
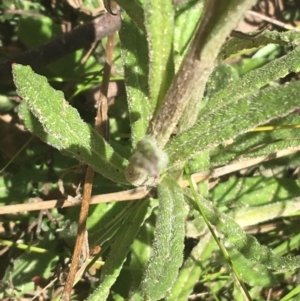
[[254, 80], [140, 253], [222, 76], [186, 20], [161, 68], [44, 29], [232, 119], [135, 60], [135, 11], [254, 144], [33, 125], [255, 274], [242, 192], [119, 249], [235, 45], [192, 269], [62, 126], [167, 255], [247, 245]]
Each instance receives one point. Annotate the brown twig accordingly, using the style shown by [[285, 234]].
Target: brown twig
[[273, 21], [87, 192], [143, 191], [101, 124], [127, 195], [81, 37], [102, 127], [235, 166]]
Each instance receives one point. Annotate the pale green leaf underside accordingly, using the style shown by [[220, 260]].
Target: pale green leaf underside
[[62, 126], [233, 119], [167, 255], [187, 16], [253, 273]]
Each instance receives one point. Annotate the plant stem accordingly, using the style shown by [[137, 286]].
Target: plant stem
[[218, 20]]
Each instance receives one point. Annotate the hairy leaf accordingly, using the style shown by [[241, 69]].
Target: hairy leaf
[[63, 125], [254, 80], [160, 41], [141, 251], [167, 255], [135, 60], [233, 119], [263, 143], [246, 244]]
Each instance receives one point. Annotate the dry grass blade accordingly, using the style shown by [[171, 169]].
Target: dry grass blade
[[127, 195]]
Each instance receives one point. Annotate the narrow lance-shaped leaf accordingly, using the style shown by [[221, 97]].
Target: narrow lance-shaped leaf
[[62, 126], [186, 19], [261, 143], [234, 119], [246, 244], [160, 39], [140, 253], [134, 53], [167, 255], [254, 80]]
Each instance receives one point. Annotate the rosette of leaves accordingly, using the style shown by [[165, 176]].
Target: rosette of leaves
[[173, 121]]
